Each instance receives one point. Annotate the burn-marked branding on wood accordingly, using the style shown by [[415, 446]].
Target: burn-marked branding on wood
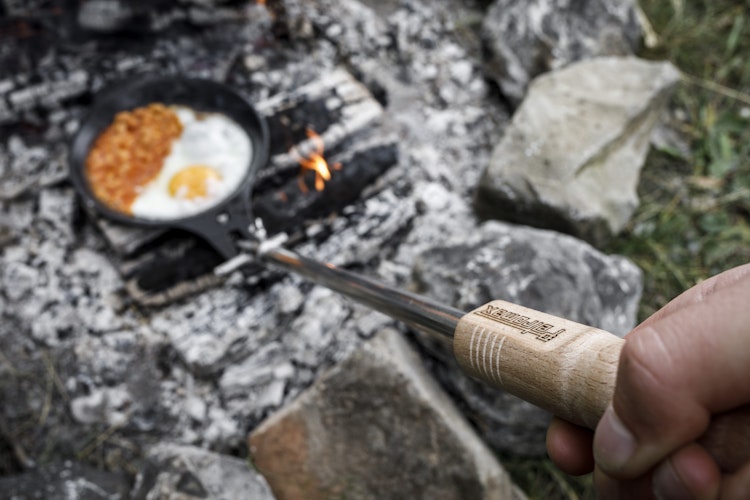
[[540, 330]]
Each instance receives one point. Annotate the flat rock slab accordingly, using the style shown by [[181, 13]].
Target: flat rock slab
[[572, 156], [185, 472], [526, 39], [376, 426], [544, 270]]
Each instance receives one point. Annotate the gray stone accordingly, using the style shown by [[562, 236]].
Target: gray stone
[[544, 270], [572, 156], [65, 481], [376, 426], [104, 15], [174, 471], [526, 39]]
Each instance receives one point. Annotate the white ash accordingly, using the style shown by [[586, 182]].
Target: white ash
[[372, 322], [221, 428], [108, 406], [290, 297], [24, 166], [195, 408], [359, 238], [268, 364], [23, 277], [213, 329]]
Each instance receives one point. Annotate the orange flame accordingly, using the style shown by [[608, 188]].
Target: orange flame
[[316, 163]]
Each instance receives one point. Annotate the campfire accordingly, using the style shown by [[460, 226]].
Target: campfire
[[163, 267], [124, 339]]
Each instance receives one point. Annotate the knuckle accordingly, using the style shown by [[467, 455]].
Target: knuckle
[[647, 365]]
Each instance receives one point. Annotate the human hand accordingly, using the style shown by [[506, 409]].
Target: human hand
[[688, 362]]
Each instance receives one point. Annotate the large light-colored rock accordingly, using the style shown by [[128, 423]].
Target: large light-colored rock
[[376, 426], [544, 270], [526, 39], [572, 156]]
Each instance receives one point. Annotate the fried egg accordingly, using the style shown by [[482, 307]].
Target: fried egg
[[206, 164]]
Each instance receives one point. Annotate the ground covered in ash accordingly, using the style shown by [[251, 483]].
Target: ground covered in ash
[[88, 373]]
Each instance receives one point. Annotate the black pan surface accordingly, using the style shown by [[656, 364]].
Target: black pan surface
[[220, 224]]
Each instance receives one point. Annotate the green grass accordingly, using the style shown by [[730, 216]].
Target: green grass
[[541, 479], [694, 218]]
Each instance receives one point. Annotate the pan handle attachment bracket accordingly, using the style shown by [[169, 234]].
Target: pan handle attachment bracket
[[223, 227], [252, 249]]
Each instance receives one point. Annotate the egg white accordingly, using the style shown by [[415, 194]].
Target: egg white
[[210, 139]]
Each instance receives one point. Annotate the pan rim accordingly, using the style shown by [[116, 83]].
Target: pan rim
[[107, 103]]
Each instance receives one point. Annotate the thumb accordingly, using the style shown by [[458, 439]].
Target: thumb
[[676, 370]]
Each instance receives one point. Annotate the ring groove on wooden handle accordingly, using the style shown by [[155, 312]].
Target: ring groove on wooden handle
[[564, 367]]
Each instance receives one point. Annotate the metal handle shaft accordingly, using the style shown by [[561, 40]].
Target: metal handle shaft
[[412, 309]]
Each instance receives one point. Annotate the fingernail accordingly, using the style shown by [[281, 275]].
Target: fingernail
[[667, 485], [613, 442]]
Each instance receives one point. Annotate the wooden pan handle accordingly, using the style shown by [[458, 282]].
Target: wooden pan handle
[[566, 368]]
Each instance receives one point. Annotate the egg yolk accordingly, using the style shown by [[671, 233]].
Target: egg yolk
[[192, 182]]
